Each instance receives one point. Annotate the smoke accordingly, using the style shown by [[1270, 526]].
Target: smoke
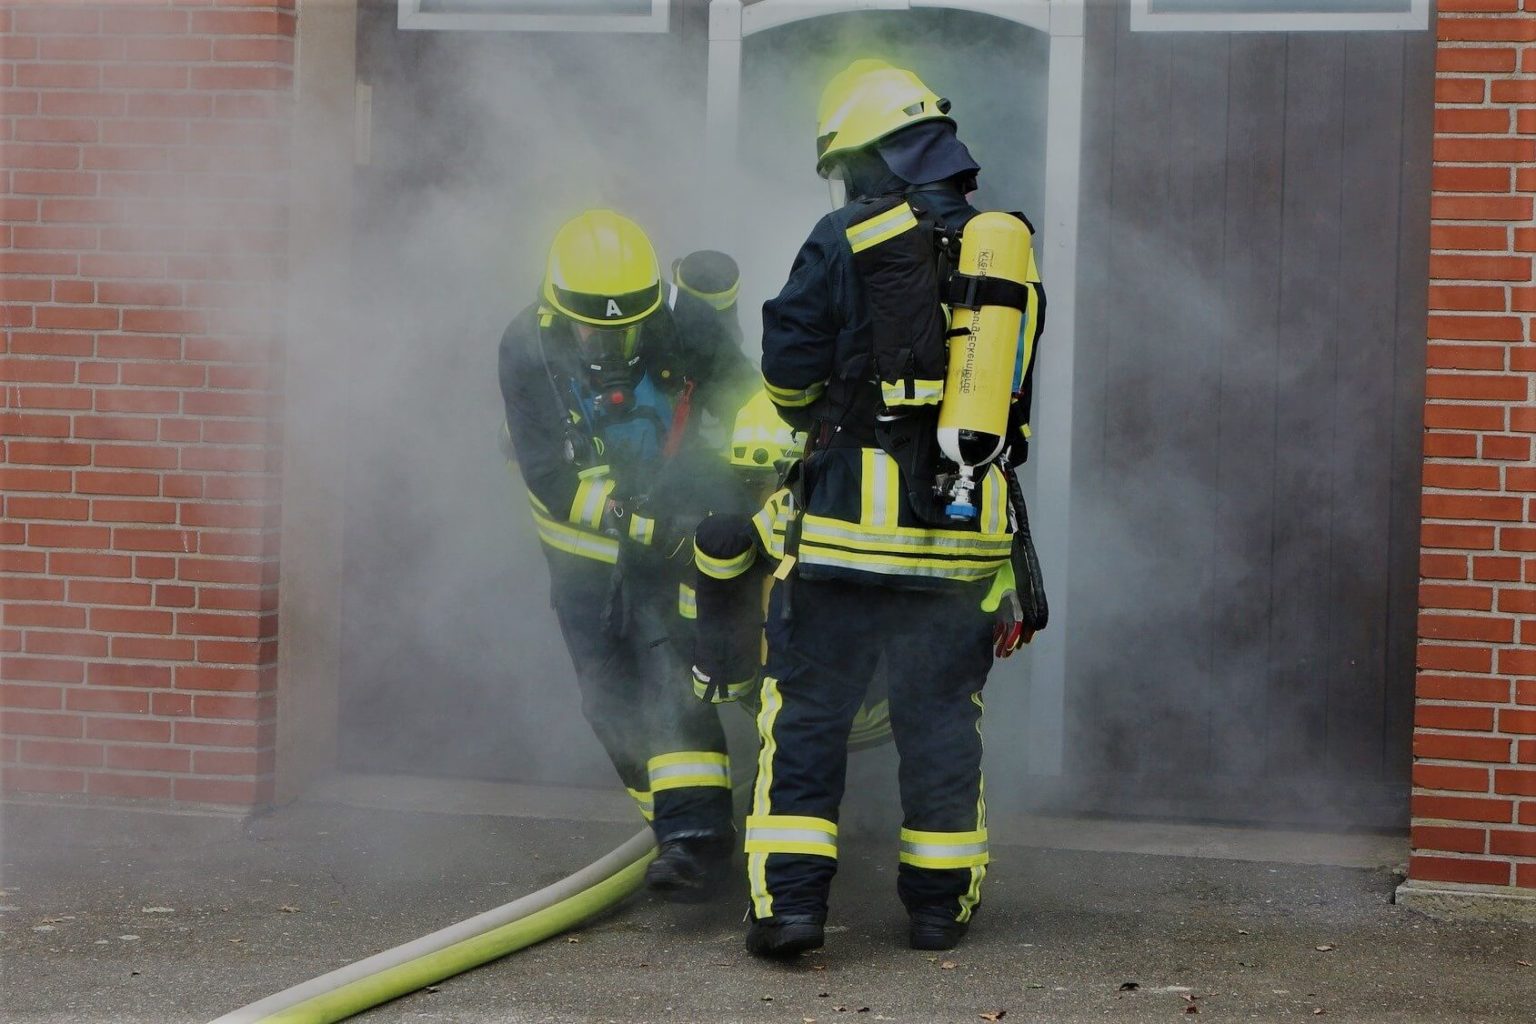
[[483, 143]]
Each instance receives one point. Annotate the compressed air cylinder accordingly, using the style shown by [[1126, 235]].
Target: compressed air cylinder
[[983, 351]]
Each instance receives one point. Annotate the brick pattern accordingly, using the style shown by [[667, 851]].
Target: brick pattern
[[144, 200], [1474, 774]]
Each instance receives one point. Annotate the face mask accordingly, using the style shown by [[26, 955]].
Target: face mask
[[607, 349]]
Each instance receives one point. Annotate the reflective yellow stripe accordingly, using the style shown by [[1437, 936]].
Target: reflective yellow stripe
[[719, 300], [591, 495], [904, 540], [944, 850], [795, 398], [723, 568], [881, 482], [924, 392], [757, 862], [972, 895], [872, 722], [571, 539], [772, 520], [732, 691], [646, 802], [687, 601], [791, 833], [886, 565], [641, 529], [994, 501], [881, 228], [687, 769]]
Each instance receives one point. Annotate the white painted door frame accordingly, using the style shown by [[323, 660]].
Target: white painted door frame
[[730, 23]]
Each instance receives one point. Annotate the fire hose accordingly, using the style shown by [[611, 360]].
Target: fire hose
[[453, 950], [478, 940]]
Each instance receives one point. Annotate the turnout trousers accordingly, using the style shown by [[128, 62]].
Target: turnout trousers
[[667, 746], [937, 652]]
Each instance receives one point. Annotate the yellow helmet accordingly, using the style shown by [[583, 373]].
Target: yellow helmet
[[865, 102], [602, 271], [761, 439]]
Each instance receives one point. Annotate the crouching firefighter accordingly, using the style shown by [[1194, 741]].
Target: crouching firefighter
[[605, 379], [902, 343]]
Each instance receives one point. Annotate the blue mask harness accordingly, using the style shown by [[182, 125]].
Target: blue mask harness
[[631, 423]]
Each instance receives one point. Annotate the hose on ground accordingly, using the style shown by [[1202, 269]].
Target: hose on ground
[[449, 951]]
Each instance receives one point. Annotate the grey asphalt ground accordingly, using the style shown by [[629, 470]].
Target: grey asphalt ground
[[113, 915]]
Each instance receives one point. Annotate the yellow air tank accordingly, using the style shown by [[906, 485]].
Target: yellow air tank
[[983, 349]]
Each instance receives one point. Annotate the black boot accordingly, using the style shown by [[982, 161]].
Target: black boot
[[785, 935], [935, 930], [690, 869]]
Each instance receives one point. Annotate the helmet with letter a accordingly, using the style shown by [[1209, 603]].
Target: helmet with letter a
[[602, 274]]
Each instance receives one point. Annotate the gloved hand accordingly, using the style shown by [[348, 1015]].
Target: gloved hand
[[1009, 632]]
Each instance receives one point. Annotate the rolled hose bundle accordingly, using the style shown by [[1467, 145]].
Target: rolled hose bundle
[[449, 951]]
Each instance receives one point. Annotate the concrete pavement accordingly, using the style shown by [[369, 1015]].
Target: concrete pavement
[[123, 915]]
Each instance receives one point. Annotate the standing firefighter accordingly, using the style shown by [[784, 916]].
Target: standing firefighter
[[604, 380], [899, 519]]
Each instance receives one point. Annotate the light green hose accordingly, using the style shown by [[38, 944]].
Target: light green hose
[[457, 948]]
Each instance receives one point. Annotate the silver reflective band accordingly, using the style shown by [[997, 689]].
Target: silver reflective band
[[672, 771], [790, 835], [944, 850]]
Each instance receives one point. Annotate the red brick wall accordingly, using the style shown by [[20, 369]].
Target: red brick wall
[[1474, 774], [144, 199]]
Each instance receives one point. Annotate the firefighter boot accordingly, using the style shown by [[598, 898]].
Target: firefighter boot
[[784, 935], [935, 930], [690, 869]]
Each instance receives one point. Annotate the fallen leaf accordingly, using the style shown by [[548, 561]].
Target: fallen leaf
[[1129, 986], [807, 1020], [818, 967], [1188, 998], [434, 988], [1034, 984], [157, 910], [1242, 931], [1317, 1011], [286, 909], [571, 938], [993, 1015], [766, 999], [1326, 947], [948, 965], [1523, 963], [1191, 1008]]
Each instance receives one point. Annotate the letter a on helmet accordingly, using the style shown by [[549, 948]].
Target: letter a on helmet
[[602, 270]]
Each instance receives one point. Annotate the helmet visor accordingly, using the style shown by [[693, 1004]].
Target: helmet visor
[[608, 347]]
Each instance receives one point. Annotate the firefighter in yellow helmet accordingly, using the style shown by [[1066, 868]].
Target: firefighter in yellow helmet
[[606, 378], [879, 559]]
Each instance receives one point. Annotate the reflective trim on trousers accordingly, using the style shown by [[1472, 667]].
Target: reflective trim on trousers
[[688, 768], [646, 802], [791, 833], [757, 862], [944, 850]]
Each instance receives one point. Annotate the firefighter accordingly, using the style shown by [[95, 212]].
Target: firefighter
[[605, 379], [876, 561]]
